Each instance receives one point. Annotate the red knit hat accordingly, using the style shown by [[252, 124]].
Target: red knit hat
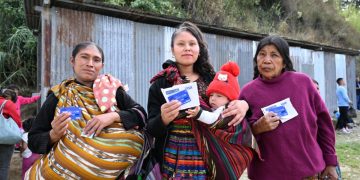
[[225, 81]]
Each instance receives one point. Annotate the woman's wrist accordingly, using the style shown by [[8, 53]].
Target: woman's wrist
[[117, 117], [53, 137], [256, 129], [165, 121], [245, 104]]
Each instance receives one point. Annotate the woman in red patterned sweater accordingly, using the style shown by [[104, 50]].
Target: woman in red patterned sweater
[[9, 110]]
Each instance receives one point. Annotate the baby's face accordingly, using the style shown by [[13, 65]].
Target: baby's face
[[216, 100]]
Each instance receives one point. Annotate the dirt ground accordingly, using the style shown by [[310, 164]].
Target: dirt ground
[[15, 167]]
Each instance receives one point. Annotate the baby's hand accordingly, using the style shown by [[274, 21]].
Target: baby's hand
[[192, 112]]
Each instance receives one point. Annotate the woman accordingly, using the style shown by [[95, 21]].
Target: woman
[[100, 144], [21, 100], [179, 144], [8, 109], [292, 148]]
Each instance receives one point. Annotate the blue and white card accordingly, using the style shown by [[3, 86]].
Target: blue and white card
[[284, 109], [182, 96], [187, 94], [74, 111]]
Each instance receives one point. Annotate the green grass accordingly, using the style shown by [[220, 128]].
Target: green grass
[[348, 152]]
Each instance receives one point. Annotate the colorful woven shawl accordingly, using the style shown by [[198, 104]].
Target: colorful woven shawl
[[105, 156], [227, 151]]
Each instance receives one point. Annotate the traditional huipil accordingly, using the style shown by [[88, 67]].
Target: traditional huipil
[[105, 156]]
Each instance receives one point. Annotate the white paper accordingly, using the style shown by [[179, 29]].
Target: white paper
[[88, 136], [187, 94], [284, 109]]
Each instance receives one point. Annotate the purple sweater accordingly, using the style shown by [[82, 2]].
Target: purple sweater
[[300, 147]]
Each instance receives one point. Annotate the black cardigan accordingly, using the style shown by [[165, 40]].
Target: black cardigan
[[155, 125], [131, 114]]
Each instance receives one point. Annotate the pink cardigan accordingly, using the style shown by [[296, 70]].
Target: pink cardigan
[[24, 100]]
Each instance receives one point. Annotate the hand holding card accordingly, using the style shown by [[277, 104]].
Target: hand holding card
[[59, 126], [182, 96], [284, 109], [75, 115], [187, 94]]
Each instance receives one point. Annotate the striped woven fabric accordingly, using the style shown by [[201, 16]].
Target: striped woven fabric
[[105, 156], [182, 159], [227, 151]]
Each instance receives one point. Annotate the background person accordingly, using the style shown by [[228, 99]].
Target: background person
[[302, 147], [8, 109], [343, 102], [336, 113], [28, 157], [21, 100], [70, 151]]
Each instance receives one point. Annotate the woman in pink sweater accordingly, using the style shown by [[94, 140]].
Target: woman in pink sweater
[[20, 99], [289, 119]]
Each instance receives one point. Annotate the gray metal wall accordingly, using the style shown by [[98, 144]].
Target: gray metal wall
[[330, 81], [135, 51], [351, 78], [149, 55]]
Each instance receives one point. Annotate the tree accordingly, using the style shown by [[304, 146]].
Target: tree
[[17, 46], [346, 3]]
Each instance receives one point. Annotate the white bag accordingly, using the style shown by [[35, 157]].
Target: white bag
[[9, 131]]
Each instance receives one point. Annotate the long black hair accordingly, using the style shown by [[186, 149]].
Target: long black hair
[[84, 45], [202, 64], [281, 45]]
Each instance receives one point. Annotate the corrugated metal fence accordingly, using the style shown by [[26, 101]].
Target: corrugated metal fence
[[135, 51]]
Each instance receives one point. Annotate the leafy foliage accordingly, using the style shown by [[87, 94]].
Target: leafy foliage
[[308, 20], [352, 15], [346, 3], [161, 7], [116, 2], [17, 46]]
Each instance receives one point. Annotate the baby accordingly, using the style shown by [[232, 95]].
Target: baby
[[223, 89]]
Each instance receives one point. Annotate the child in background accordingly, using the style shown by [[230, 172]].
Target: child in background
[[28, 157], [22, 100]]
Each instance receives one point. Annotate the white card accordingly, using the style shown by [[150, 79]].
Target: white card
[[284, 109], [187, 94], [88, 136]]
